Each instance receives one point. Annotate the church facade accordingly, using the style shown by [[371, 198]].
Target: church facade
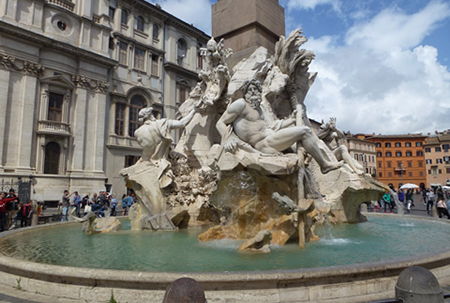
[[73, 77]]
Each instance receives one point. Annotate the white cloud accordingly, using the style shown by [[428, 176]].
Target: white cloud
[[382, 79], [311, 4], [393, 28], [196, 12]]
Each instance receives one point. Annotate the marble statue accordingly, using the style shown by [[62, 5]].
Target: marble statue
[[330, 135], [248, 162], [154, 135], [247, 121]]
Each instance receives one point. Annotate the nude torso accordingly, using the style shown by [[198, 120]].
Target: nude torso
[[250, 126]]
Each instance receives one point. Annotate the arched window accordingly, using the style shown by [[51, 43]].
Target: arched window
[[155, 31], [124, 17], [137, 103], [140, 24], [181, 52], [52, 155]]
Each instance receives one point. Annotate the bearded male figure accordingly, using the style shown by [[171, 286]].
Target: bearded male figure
[[246, 117]]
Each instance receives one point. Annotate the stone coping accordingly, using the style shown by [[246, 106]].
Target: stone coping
[[227, 283]]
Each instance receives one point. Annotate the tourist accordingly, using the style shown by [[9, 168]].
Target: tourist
[[113, 204], [442, 208], [65, 203], [409, 199], [387, 201], [127, 201], [430, 200], [77, 204], [3, 206], [94, 198], [11, 208], [401, 195]]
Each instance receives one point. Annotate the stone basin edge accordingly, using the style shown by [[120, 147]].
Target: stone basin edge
[[159, 280]]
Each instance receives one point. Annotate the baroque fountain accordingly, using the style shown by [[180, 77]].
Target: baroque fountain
[[248, 168]]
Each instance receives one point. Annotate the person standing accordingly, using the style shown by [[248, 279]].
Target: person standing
[[3, 206], [77, 203], [12, 207], [430, 200], [409, 198], [387, 201], [65, 203]]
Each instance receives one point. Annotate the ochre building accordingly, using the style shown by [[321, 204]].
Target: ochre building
[[400, 158]]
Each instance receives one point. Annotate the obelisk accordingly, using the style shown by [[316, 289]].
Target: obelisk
[[247, 24]]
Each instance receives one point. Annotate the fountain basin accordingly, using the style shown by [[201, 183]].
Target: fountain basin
[[344, 283]]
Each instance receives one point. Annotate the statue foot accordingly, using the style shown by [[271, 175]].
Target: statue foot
[[331, 166]]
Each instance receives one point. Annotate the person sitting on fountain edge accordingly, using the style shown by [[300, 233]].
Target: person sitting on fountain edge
[[247, 119]]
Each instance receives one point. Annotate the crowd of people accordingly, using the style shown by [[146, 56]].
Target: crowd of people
[[102, 204], [405, 199]]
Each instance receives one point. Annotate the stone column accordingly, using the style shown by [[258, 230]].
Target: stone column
[[4, 88], [100, 133], [13, 123], [28, 104], [78, 122]]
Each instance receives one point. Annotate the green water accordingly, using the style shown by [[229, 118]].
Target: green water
[[379, 239]]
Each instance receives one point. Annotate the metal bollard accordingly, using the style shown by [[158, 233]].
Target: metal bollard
[[417, 285]]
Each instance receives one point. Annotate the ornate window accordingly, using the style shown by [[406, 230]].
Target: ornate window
[[155, 31], [52, 156], [181, 52], [111, 13], [408, 144], [55, 104], [139, 59], [155, 65], [124, 17], [119, 127], [131, 160], [140, 24], [182, 91], [123, 51], [137, 103]]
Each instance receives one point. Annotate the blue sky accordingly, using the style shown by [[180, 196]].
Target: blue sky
[[383, 65]]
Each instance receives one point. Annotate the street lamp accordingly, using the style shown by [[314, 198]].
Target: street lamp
[[401, 170]]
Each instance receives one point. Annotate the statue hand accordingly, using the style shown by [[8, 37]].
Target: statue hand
[[231, 146]]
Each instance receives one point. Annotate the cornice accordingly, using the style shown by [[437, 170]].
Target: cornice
[[172, 67], [54, 44], [134, 41], [29, 68]]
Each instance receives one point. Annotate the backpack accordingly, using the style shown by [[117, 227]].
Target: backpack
[[26, 210]]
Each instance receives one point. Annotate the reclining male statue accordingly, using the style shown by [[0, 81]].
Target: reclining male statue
[[246, 117]]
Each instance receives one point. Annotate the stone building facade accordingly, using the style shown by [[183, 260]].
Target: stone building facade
[[363, 151], [74, 75], [400, 158], [437, 158]]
